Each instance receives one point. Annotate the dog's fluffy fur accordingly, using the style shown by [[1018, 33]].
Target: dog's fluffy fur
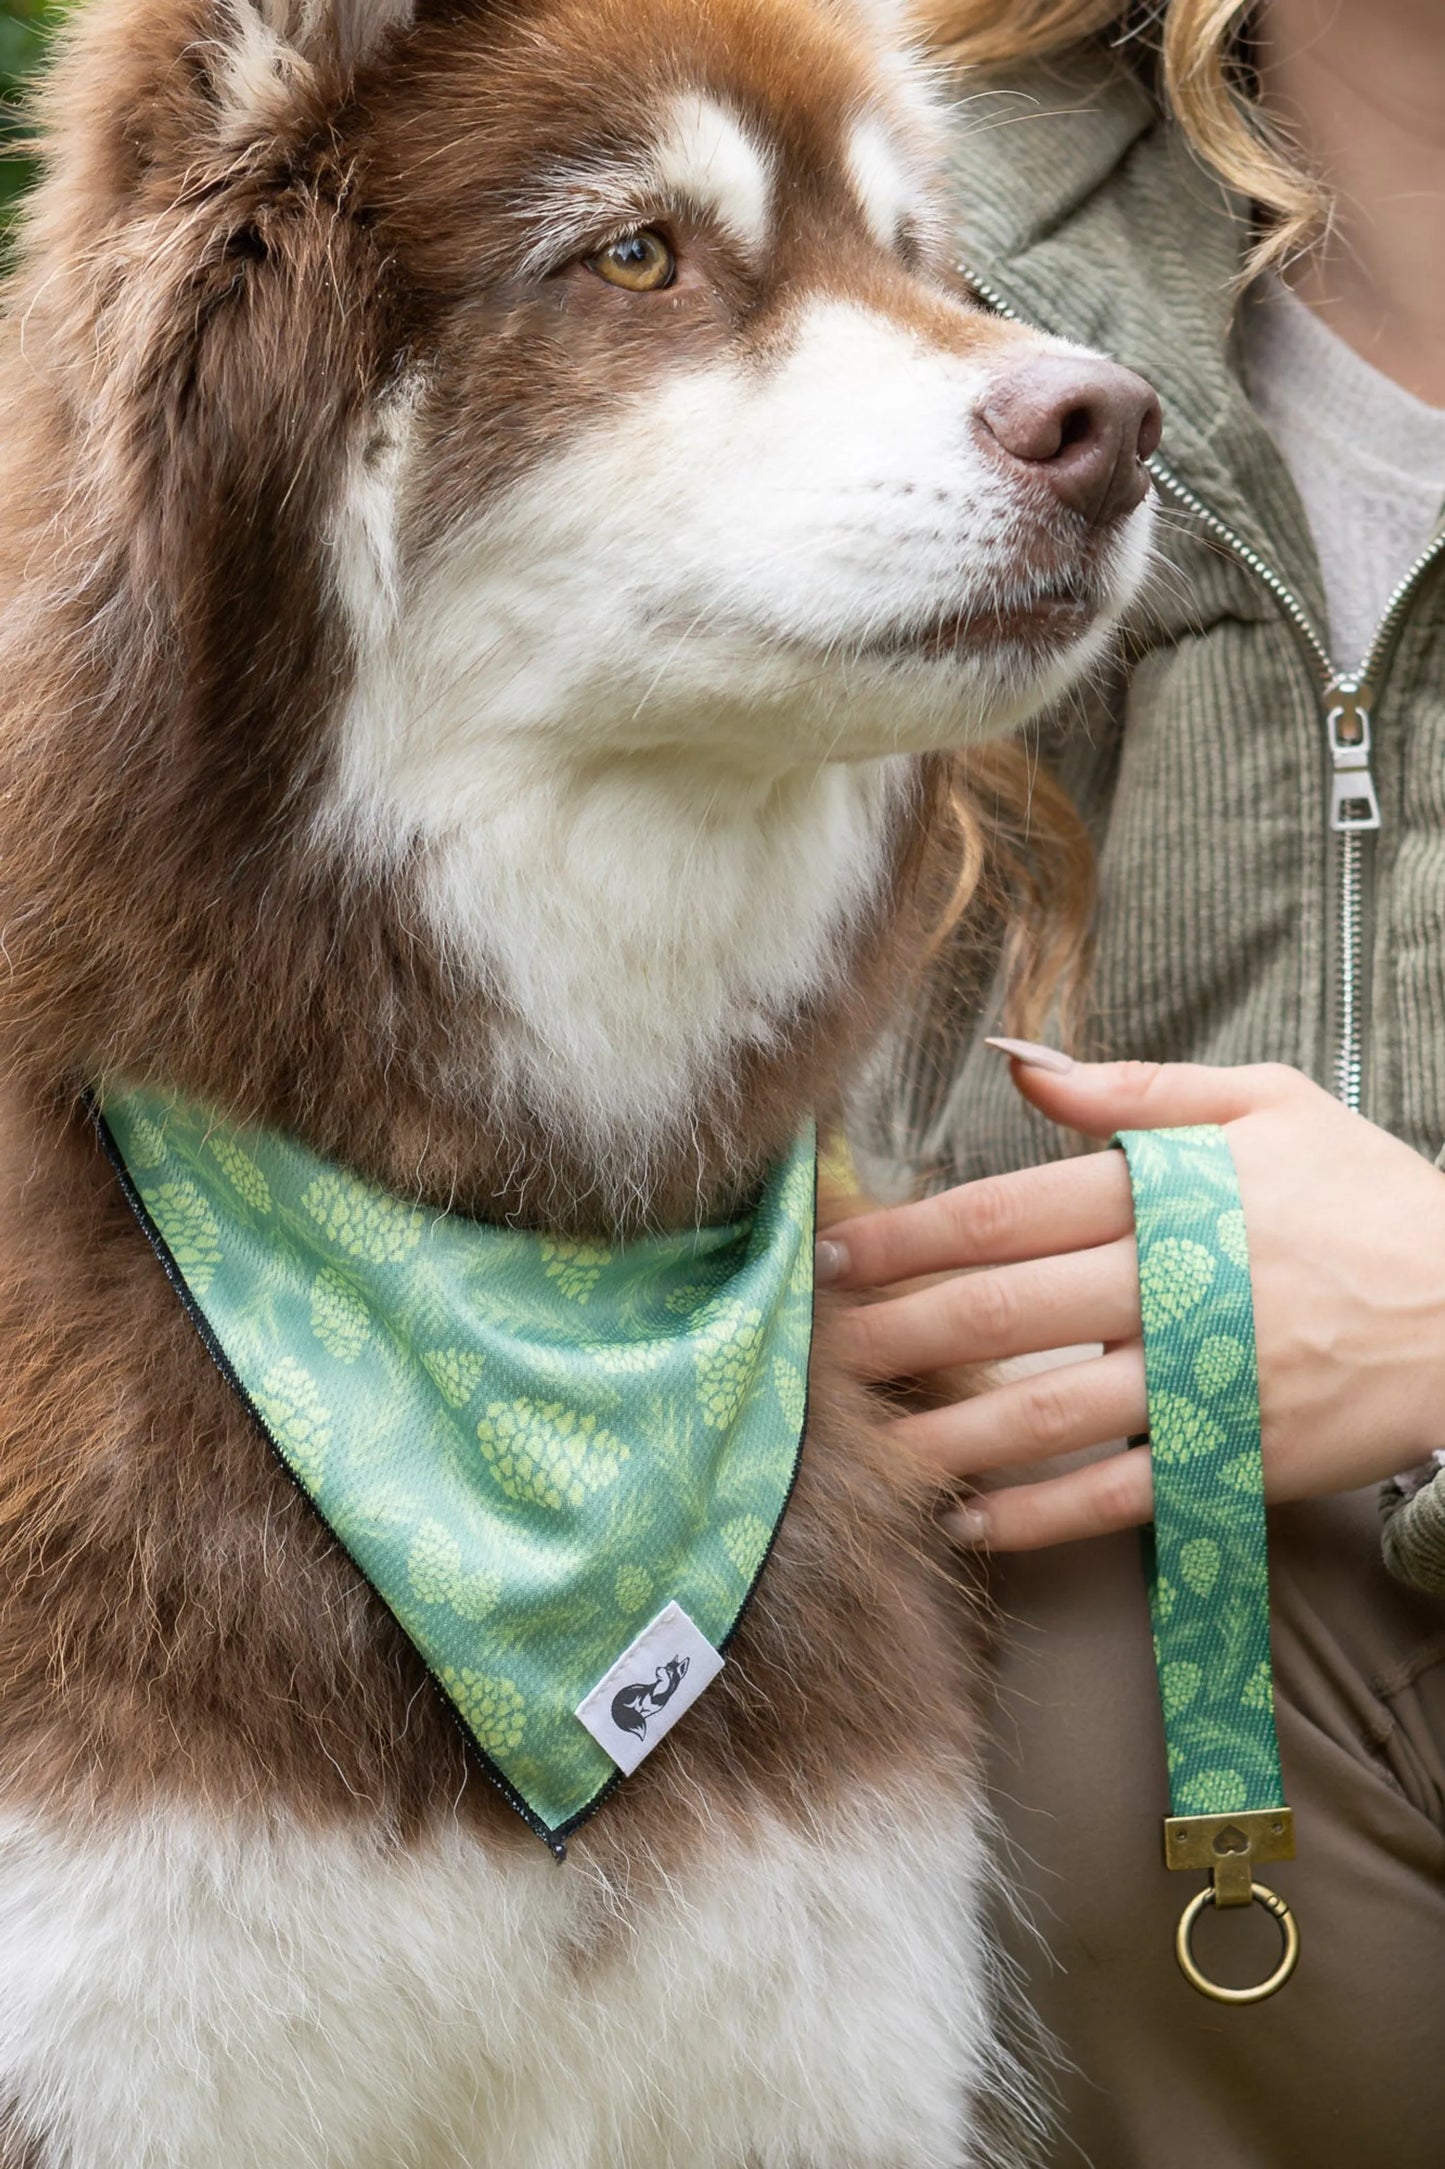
[[487, 723]]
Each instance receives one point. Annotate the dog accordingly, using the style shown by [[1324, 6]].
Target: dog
[[507, 519], [633, 1706]]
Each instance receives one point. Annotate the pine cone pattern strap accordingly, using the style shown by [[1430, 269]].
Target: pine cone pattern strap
[[1206, 1554]]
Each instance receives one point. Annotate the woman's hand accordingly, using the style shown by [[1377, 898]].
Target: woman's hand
[[1346, 1234]]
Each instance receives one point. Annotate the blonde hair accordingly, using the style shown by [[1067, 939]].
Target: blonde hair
[[1203, 83], [1022, 896]]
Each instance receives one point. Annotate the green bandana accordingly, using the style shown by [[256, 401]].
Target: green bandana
[[561, 1466]]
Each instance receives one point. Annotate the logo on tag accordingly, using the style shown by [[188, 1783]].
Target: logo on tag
[[655, 1681]]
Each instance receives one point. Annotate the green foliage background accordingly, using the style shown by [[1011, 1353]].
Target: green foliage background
[[24, 25]]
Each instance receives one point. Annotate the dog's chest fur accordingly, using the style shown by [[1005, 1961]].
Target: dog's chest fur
[[182, 1990]]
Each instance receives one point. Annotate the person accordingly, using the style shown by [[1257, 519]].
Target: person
[[1248, 207]]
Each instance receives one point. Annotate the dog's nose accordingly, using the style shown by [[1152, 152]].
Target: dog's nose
[[1084, 427]]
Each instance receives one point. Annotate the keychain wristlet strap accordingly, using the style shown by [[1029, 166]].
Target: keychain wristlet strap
[[1206, 1555]]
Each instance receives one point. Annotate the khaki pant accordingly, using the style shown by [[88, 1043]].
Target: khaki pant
[[1345, 2068]]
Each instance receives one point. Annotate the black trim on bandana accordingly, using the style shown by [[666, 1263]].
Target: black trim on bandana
[[555, 1839]]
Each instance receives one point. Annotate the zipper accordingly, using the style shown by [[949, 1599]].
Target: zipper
[[1354, 815], [1346, 698]]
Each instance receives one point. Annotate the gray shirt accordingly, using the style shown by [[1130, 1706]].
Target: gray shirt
[[1367, 458]]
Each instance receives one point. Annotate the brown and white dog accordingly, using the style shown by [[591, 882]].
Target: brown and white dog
[[502, 520]]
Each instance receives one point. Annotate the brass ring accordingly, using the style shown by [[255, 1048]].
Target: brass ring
[[1183, 1934]]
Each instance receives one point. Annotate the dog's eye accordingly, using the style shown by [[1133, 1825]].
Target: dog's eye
[[642, 262]]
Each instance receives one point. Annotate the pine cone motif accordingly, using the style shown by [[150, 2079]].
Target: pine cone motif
[[1215, 1792], [365, 1223], [492, 1708], [792, 1391], [1218, 1362], [339, 1318], [455, 1372], [1175, 1275], [474, 1596], [146, 1146], [627, 1359], [633, 1588], [242, 1173], [189, 1227], [795, 1206], [434, 1569], [1258, 1690], [745, 1540], [1179, 1683], [683, 1301], [575, 1267], [1233, 1240], [297, 1417], [1181, 1428], [1199, 1564], [547, 1453], [726, 1357]]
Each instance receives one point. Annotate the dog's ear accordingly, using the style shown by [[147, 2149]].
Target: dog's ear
[[268, 56], [151, 99], [348, 30], [268, 48], [200, 284]]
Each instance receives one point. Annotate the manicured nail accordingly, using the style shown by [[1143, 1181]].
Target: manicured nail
[[966, 1525], [830, 1262], [1033, 1056]]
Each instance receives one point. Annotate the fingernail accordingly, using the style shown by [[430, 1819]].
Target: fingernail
[[1033, 1056], [966, 1525], [830, 1262]]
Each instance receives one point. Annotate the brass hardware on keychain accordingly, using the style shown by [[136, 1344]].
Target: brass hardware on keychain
[[1229, 1848]]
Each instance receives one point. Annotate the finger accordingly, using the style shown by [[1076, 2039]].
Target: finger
[[1099, 1098], [1030, 1419], [1117, 1493], [1012, 1310], [1064, 1205]]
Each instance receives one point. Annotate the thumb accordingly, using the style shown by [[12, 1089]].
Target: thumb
[[1098, 1098]]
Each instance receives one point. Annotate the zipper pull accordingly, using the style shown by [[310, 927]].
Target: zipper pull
[[1354, 805]]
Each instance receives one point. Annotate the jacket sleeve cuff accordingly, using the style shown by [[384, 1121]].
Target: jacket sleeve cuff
[[1413, 1511]]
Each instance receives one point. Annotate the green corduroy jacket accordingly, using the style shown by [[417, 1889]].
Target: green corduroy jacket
[[1236, 923]]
